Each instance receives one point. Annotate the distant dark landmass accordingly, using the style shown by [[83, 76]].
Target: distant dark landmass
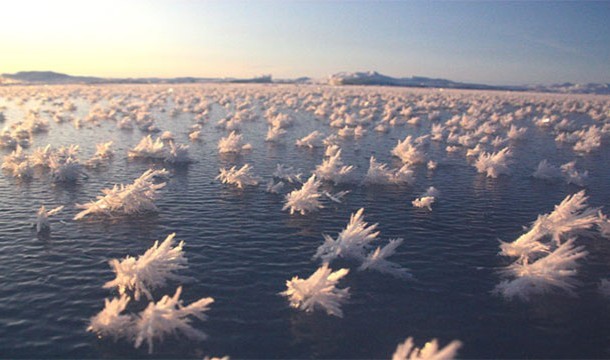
[[339, 79]]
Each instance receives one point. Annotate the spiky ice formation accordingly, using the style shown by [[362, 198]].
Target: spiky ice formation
[[274, 134], [102, 155], [306, 199], [177, 154], [379, 174], [42, 218], [239, 177], [274, 188], [169, 317], [110, 322], [287, 173], [64, 164], [233, 143], [555, 271], [426, 199], [603, 225], [18, 164], [430, 351], [312, 140], [332, 169], [126, 199], [376, 260], [494, 164], [571, 217], [351, 242], [546, 171], [572, 175], [148, 149], [149, 271], [318, 291], [408, 152]]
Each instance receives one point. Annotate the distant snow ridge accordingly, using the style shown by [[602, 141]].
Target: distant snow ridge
[[355, 241], [430, 351], [129, 199], [379, 174], [494, 164], [150, 270], [318, 291], [239, 177], [546, 260], [169, 317]]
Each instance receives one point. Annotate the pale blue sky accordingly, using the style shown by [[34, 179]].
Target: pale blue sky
[[487, 42]]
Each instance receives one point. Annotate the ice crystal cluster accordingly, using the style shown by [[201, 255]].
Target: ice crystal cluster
[[356, 241], [241, 177], [547, 256], [426, 199], [332, 169], [150, 270], [409, 152], [161, 149], [306, 199], [129, 199], [233, 143], [494, 164], [430, 351], [158, 320], [318, 291], [42, 218], [380, 174]]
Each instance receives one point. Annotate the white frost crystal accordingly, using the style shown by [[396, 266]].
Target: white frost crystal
[[149, 271], [318, 291]]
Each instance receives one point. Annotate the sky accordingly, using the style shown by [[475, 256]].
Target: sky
[[491, 42]]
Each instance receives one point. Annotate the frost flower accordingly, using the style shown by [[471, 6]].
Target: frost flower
[[240, 177], [318, 291], [306, 199], [430, 351], [169, 317], [149, 271], [109, 322]]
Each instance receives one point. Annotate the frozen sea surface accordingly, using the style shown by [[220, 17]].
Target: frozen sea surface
[[242, 248]]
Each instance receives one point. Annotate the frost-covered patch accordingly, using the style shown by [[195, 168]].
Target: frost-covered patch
[[241, 177], [355, 243], [430, 350], [42, 218], [129, 199], [547, 256], [149, 271], [494, 164], [426, 199], [318, 291], [306, 199]]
